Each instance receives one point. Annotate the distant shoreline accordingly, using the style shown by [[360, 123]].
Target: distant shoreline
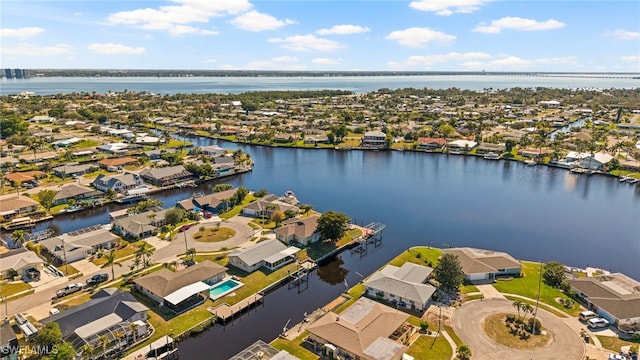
[[260, 73]]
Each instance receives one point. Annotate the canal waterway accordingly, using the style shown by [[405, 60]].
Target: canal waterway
[[532, 212]]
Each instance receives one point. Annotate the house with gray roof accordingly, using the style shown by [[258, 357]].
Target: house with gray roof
[[269, 254], [79, 244], [75, 192], [73, 170], [109, 312], [118, 183], [266, 205], [299, 230], [139, 226], [215, 202], [181, 290], [615, 297], [479, 264], [23, 261], [166, 175], [404, 286]]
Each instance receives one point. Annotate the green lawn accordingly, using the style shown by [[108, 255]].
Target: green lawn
[[355, 292], [614, 343], [321, 248], [236, 209], [550, 309], [294, 347], [11, 288], [68, 269], [465, 289], [527, 286], [453, 335], [418, 255], [425, 348], [120, 253], [214, 235]]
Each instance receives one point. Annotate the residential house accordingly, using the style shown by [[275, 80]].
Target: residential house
[[535, 152], [269, 254], [73, 170], [181, 290], [215, 202], [479, 264], [31, 158], [13, 207], [107, 313], [615, 297], [362, 332], [166, 175], [430, 144], [118, 183], [79, 244], [63, 143], [484, 148], [9, 346], [115, 164], [301, 231], [373, 139], [74, 192], [212, 150], [260, 350], [27, 263], [596, 161], [42, 118], [113, 148], [24, 177], [405, 286], [461, 146], [139, 226], [266, 205], [316, 139]]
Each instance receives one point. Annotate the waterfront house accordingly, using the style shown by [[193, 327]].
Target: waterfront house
[[615, 297], [166, 175], [535, 152], [461, 146], [212, 150], [139, 226], [596, 161], [484, 148], [373, 139], [15, 206], [260, 350], [181, 290], [73, 170], [115, 164], [27, 263], [404, 286], [74, 192], [479, 264], [430, 144], [108, 313], [79, 244], [299, 230], [214, 203], [363, 332], [118, 183], [316, 139], [266, 205], [268, 254]]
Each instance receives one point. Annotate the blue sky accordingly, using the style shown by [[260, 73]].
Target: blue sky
[[423, 35]]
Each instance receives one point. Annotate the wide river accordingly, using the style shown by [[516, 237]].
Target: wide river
[[532, 212]]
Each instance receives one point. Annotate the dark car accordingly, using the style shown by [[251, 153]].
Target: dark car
[[184, 227], [97, 278]]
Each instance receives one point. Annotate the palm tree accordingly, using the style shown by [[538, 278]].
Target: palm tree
[[527, 309], [518, 305], [191, 253], [306, 208], [119, 336], [463, 352], [134, 330], [145, 252], [18, 237], [103, 341], [35, 144], [110, 258], [87, 351]]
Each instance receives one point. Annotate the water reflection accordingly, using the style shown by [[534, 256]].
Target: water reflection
[[333, 272]]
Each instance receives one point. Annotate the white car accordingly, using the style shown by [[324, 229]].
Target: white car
[[596, 323], [54, 311]]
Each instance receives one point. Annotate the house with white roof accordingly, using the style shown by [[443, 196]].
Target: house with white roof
[[480, 264], [458, 146], [23, 261], [374, 139], [596, 161], [404, 286], [79, 244], [269, 254]]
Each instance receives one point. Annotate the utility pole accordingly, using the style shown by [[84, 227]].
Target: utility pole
[[186, 247], [64, 254], [533, 326]]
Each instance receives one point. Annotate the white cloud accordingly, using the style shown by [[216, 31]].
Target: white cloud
[[631, 58], [257, 21], [115, 49], [518, 23], [448, 7], [420, 37], [173, 18], [326, 61], [624, 35], [37, 50], [306, 43], [343, 30], [23, 32]]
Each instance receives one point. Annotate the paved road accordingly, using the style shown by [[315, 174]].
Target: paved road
[[467, 322]]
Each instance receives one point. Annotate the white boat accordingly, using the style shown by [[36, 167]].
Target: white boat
[[530, 162], [491, 156], [626, 178]]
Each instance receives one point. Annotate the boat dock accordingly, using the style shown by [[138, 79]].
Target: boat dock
[[225, 311]]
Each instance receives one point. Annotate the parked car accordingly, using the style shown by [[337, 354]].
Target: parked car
[[69, 289], [184, 227], [597, 323], [97, 278], [207, 215], [586, 315]]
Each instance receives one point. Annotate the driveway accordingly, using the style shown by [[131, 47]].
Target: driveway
[[467, 322]]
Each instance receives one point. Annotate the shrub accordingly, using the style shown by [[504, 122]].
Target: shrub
[[534, 328], [424, 326], [510, 318]]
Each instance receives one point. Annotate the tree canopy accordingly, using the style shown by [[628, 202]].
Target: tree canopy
[[49, 335], [46, 198], [175, 216], [10, 125], [553, 274], [332, 225], [449, 273]]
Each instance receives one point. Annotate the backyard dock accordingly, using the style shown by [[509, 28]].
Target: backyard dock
[[225, 311]]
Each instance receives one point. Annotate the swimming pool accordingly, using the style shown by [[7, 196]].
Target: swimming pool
[[219, 290]]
